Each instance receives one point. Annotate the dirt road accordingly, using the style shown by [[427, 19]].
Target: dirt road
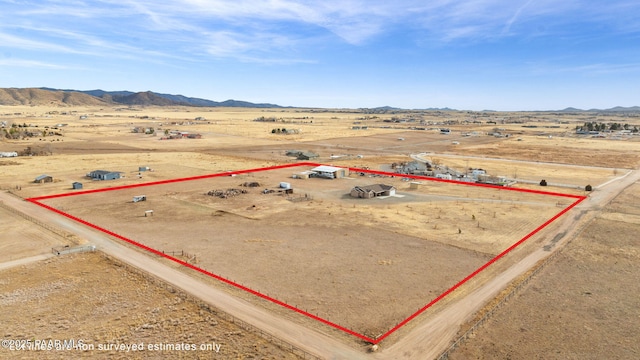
[[24, 261], [432, 337], [298, 335]]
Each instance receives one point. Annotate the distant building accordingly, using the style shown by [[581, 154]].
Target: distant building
[[371, 191], [104, 175], [330, 172], [76, 185], [43, 179], [307, 155]]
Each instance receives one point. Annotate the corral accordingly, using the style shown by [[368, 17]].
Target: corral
[[365, 267]]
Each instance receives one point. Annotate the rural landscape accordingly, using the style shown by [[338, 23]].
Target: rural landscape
[[257, 231]]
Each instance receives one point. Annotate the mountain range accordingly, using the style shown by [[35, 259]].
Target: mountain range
[[67, 97]]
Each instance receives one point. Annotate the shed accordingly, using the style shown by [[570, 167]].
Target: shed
[[104, 175], [371, 191], [76, 185], [285, 185], [302, 175], [43, 179], [330, 172], [307, 155], [143, 168]]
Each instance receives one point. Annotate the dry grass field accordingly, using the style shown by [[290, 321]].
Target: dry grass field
[[365, 264], [398, 253], [584, 305], [95, 299]]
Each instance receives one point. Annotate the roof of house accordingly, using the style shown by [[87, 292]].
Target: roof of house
[[326, 168], [377, 188], [105, 172], [42, 177]]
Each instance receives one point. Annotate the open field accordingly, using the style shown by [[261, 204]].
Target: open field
[[397, 253], [92, 298], [584, 305]]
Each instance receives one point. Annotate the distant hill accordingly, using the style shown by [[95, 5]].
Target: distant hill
[[613, 109], [68, 97], [32, 96]]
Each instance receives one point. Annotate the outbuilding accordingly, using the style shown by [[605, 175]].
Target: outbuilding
[[307, 155], [330, 172], [43, 179], [104, 175], [76, 185]]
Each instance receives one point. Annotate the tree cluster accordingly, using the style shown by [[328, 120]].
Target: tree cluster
[[595, 126]]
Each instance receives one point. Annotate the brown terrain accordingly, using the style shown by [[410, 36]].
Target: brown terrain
[[363, 264], [583, 305]]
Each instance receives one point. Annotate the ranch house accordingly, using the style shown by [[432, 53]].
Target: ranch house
[[371, 191], [104, 175]]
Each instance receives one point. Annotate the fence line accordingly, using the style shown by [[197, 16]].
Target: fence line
[[543, 263], [190, 258], [61, 250], [53, 229]]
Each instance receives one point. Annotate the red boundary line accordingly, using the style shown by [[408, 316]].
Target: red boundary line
[[36, 200]]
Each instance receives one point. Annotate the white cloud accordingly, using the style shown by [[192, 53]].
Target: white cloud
[[29, 64], [275, 29]]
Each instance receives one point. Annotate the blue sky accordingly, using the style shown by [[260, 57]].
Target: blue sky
[[476, 55]]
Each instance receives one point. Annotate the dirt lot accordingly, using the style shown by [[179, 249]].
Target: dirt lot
[[95, 299], [395, 254], [21, 238], [583, 305]]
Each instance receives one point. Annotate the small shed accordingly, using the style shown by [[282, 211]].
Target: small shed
[[143, 168], [43, 179], [76, 185], [285, 185], [302, 175]]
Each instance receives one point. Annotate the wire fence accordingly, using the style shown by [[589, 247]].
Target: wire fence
[[64, 234], [190, 258]]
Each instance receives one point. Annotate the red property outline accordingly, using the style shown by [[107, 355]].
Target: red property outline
[[579, 199]]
